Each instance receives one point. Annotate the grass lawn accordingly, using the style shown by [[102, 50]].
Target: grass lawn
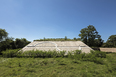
[[57, 67]]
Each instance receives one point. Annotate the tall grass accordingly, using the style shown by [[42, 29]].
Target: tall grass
[[10, 53], [74, 64], [94, 56], [32, 53]]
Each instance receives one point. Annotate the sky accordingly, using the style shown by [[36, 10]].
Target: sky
[[36, 19]]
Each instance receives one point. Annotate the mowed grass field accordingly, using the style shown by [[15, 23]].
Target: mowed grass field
[[57, 67]]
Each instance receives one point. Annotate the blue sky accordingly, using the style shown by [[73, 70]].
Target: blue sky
[[36, 19]]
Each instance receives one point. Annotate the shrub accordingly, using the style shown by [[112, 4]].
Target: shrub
[[76, 61], [39, 53], [77, 52], [10, 53], [99, 54], [94, 56], [99, 61]]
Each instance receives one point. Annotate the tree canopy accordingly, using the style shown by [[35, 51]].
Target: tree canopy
[[90, 36], [8, 42], [111, 42], [20, 43], [3, 34]]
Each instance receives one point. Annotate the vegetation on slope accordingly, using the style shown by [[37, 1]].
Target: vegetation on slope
[[59, 39]]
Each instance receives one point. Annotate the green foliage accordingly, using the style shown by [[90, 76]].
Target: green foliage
[[3, 34], [94, 56], [45, 62], [111, 42], [76, 61], [10, 53], [58, 39], [76, 52], [9, 43], [90, 36], [20, 43], [6, 44], [58, 67], [74, 38], [3, 43], [39, 53], [65, 38]]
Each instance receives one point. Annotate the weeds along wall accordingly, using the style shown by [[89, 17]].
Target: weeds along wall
[[94, 56]]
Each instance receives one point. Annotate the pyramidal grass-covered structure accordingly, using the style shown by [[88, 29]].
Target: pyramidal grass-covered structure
[[58, 46]]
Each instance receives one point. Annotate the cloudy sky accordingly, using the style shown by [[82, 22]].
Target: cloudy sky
[[36, 19]]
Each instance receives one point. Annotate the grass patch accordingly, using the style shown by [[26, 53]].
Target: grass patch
[[58, 67], [94, 64]]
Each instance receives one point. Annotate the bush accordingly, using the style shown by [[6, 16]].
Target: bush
[[10, 53], [99, 61], [99, 54], [75, 54], [39, 53], [94, 56]]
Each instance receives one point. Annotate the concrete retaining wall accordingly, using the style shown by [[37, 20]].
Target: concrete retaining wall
[[108, 49]]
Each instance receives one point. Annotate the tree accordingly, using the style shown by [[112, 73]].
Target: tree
[[98, 42], [8, 42], [3, 34], [74, 38], [44, 38], [90, 36], [77, 39], [65, 38], [111, 42], [20, 43]]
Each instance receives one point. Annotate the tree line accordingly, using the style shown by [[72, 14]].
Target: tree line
[[9, 42], [88, 35], [59, 39]]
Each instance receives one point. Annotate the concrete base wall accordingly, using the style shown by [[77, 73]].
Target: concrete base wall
[[108, 49]]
